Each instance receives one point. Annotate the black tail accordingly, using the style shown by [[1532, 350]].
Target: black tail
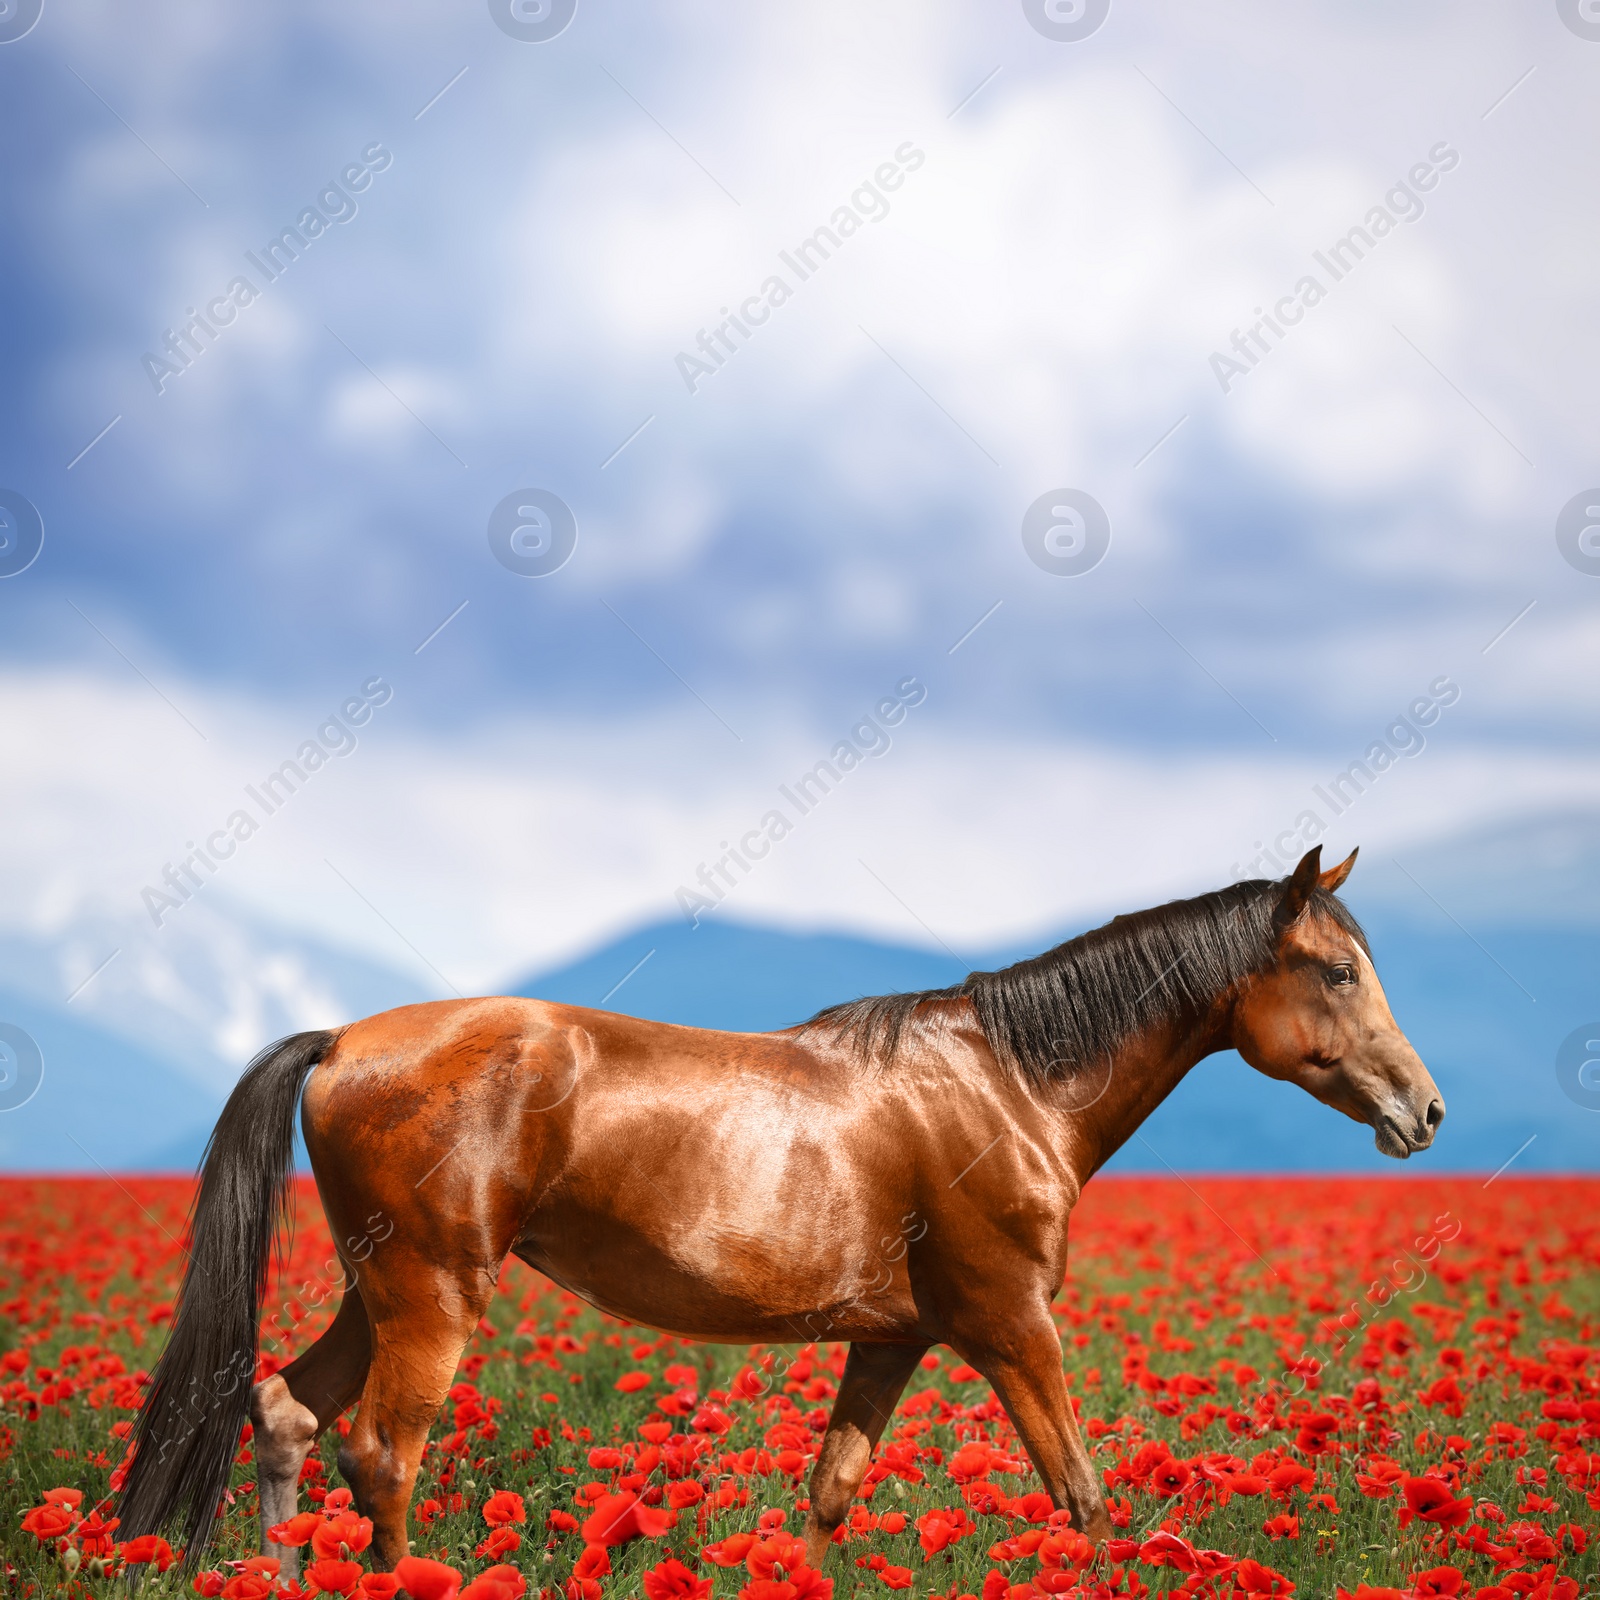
[[199, 1394]]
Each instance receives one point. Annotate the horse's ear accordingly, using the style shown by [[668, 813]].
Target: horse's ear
[[1334, 877], [1297, 891]]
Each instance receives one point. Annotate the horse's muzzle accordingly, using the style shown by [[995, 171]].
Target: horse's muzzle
[[1401, 1135]]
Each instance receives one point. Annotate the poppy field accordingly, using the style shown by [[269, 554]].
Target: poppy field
[[1322, 1387]]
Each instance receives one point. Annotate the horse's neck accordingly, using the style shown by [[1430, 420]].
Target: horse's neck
[[1108, 1107]]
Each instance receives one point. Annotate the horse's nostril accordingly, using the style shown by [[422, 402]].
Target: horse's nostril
[[1435, 1114]]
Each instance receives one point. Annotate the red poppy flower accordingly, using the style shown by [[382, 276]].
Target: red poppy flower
[[498, 1543], [984, 1498], [93, 1535], [497, 1583], [730, 1552], [595, 1562], [329, 1577], [1166, 1549], [149, 1547], [1432, 1501], [936, 1530], [895, 1577], [809, 1584], [1066, 1548], [502, 1507], [671, 1580], [1285, 1479], [969, 1463], [247, 1586], [1446, 1394], [1437, 1581], [619, 1517], [380, 1586], [346, 1531], [1254, 1578], [685, 1492], [49, 1522], [777, 1550], [1211, 1563], [427, 1580], [1031, 1507], [297, 1531]]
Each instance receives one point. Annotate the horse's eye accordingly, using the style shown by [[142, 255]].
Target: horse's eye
[[1341, 975]]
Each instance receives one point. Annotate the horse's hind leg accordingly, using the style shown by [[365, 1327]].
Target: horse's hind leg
[[875, 1375], [290, 1410], [419, 1333]]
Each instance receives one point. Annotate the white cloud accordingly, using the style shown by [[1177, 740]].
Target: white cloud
[[483, 856], [384, 406]]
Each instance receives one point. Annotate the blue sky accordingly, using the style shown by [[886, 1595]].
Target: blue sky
[[1034, 305]]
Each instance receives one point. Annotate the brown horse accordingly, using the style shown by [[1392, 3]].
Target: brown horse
[[897, 1172]]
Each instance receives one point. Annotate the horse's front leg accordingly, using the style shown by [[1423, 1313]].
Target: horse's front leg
[[1023, 1362], [875, 1375]]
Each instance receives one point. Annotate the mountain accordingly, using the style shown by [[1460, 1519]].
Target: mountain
[[144, 1030]]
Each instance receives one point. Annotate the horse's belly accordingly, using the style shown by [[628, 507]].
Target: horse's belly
[[715, 1283]]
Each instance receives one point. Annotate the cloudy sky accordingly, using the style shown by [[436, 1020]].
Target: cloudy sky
[[1047, 262]]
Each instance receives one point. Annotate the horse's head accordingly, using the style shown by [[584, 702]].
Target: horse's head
[[1318, 1017]]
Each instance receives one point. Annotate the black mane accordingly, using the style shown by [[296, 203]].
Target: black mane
[[1055, 1013]]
